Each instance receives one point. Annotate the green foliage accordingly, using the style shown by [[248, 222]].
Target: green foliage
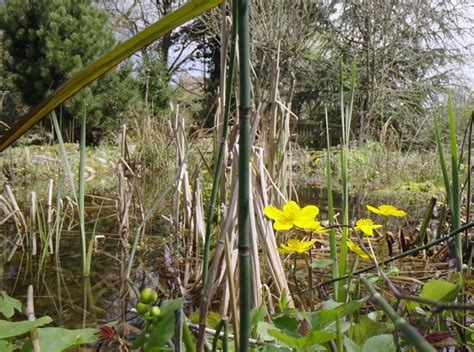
[[8, 305], [367, 328], [10, 329], [440, 290], [159, 329], [51, 339], [48, 42], [154, 80], [58, 339], [378, 343]]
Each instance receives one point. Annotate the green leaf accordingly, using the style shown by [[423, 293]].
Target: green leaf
[[315, 338], [5, 346], [59, 339], [256, 315], [440, 290], [350, 345], [262, 331], [366, 328], [378, 343], [107, 62], [322, 263], [8, 305], [171, 305], [325, 317], [9, 329], [161, 330], [287, 324]]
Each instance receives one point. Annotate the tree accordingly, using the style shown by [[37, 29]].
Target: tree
[[49, 41], [405, 51]]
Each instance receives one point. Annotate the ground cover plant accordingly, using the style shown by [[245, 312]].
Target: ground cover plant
[[207, 244]]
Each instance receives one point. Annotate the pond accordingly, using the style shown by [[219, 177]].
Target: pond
[[73, 302]]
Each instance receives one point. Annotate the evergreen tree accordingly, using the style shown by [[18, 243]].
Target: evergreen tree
[[49, 41]]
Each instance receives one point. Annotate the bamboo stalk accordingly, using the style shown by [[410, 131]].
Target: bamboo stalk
[[244, 173]]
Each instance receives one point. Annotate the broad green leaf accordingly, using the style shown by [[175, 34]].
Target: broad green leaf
[[262, 331], [366, 328], [5, 346], [9, 329], [314, 338], [326, 317], [440, 290], [287, 325], [161, 330], [350, 345], [8, 305], [256, 315], [379, 343], [107, 62], [58, 339], [171, 305]]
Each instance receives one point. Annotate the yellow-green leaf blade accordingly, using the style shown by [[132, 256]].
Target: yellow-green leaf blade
[[190, 10]]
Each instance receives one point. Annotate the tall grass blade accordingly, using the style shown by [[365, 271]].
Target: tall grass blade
[[456, 191], [346, 117], [332, 233], [82, 172], [442, 162], [104, 64]]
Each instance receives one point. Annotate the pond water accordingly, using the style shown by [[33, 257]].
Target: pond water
[[73, 302]]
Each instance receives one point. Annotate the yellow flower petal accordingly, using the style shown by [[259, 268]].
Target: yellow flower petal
[[357, 250], [366, 226], [305, 223], [308, 212], [390, 210], [387, 210], [283, 225], [374, 209], [273, 213], [291, 208], [295, 245]]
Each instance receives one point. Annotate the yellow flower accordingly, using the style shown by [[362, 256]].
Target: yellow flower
[[387, 210], [357, 250], [367, 226], [317, 227], [291, 215], [295, 245]]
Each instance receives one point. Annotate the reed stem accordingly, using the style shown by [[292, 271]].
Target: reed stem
[[244, 174]]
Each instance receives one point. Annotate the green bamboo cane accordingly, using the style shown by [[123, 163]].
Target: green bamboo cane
[[332, 232], [410, 332], [244, 173], [456, 204]]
